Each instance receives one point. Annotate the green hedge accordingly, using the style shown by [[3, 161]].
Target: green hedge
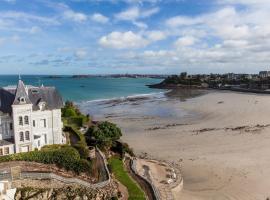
[[77, 121], [64, 156], [134, 191], [68, 112]]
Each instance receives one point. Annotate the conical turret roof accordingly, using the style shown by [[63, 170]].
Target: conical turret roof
[[21, 96]]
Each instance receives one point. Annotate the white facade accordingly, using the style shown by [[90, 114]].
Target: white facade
[[34, 120], [264, 74], [6, 192]]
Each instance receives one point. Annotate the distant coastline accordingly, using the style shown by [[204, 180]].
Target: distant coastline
[[249, 83], [82, 76]]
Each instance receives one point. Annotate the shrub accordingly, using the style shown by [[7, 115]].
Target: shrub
[[122, 148], [82, 165], [64, 156], [104, 133], [69, 112], [82, 149], [73, 130], [77, 121]]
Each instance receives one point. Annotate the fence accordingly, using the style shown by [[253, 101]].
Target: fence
[[6, 175]]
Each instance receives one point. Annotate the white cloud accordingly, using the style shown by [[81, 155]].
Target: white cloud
[[156, 35], [247, 2], [74, 16], [123, 40], [140, 1], [182, 21], [185, 41], [235, 43], [140, 25], [134, 14], [14, 16], [157, 54], [130, 14], [97, 17], [149, 12]]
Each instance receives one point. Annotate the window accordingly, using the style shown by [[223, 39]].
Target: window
[[27, 135], [6, 150], [10, 126], [45, 138], [42, 105], [1, 152], [21, 120], [34, 91], [6, 128], [21, 137], [26, 119], [34, 123], [21, 99], [43, 123]]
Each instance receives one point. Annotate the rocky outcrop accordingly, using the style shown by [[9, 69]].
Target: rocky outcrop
[[66, 192]]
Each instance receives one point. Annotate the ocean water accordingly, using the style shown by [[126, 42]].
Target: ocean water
[[88, 89]]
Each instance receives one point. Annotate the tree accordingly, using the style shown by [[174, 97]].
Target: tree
[[104, 133]]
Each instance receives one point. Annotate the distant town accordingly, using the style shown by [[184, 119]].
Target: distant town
[[231, 81]]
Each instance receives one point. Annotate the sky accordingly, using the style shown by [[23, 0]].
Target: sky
[[134, 36]]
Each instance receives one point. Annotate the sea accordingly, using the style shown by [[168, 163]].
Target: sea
[[105, 97], [88, 89]]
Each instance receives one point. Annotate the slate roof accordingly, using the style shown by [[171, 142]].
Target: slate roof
[[21, 93], [33, 95], [6, 142]]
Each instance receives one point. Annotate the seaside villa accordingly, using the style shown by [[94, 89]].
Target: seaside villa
[[30, 117]]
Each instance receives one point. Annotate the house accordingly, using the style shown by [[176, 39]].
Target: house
[[264, 74], [231, 76], [30, 117]]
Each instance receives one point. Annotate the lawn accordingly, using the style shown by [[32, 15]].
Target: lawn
[[134, 191]]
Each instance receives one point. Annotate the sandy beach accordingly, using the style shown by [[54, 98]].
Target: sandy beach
[[222, 141]]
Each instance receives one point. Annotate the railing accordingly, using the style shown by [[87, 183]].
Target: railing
[[6, 175], [155, 190], [104, 160], [45, 175]]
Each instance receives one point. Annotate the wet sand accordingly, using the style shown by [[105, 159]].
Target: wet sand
[[221, 139]]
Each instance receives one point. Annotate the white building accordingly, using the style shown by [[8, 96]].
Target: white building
[[30, 117], [264, 74], [6, 192]]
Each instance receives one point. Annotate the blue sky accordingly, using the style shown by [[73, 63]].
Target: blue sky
[[134, 36]]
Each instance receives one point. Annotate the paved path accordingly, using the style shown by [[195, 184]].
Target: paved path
[[144, 185]]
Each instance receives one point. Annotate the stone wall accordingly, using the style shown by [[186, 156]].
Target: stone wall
[[51, 189]]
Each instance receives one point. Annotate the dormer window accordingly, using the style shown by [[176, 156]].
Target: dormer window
[[21, 99], [42, 105], [34, 91]]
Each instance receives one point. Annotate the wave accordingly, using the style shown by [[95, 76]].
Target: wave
[[128, 98]]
